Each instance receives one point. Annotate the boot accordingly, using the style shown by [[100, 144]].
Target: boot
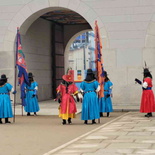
[[150, 114], [93, 121], [147, 115], [35, 114], [69, 121], [7, 120], [101, 114], [63, 121], [108, 114], [85, 122], [1, 121], [28, 114]]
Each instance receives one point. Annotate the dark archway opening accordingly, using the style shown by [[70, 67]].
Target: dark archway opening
[[65, 24]]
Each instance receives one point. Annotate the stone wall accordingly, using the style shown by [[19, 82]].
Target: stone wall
[[37, 49], [127, 32]]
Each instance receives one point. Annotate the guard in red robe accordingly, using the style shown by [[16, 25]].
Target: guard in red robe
[[147, 99], [67, 90]]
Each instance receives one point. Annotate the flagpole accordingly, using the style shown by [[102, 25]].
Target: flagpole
[[15, 89], [22, 75], [15, 75], [99, 61], [96, 57], [22, 110], [20, 88]]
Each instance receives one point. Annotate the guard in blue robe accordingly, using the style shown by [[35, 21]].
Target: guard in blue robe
[[5, 101], [105, 103], [90, 106], [31, 96]]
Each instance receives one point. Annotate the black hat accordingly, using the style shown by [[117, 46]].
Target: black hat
[[105, 73], [89, 71], [3, 76], [146, 70], [30, 75]]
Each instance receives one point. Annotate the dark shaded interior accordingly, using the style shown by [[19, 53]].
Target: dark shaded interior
[[64, 17]]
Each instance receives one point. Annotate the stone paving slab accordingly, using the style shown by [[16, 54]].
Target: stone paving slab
[[130, 134]]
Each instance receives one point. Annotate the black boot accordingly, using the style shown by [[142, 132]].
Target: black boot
[[147, 115], [63, 121], [1, 121], [69, 121], [85, 122], [93, 121], [150, 114], [28, 114], [35, 114], [108, 114], [7, 120], [101, 114]]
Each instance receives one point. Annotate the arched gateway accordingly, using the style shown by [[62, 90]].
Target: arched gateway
[[127, 43], [46, 28]]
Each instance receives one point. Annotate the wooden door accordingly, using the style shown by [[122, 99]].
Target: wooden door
[[57, 56]]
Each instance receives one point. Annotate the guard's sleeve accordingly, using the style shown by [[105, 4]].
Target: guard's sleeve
[[145, 84], [98, 88]]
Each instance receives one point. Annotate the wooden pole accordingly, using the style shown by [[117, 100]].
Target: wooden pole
[[15, 94], [22, 110], [99, 121], [15, 79], [18, 41], [96, 56]]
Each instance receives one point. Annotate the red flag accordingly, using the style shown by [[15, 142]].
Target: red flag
[[99, 60]]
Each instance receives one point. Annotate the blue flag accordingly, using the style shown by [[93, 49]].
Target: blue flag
[[22, 68]]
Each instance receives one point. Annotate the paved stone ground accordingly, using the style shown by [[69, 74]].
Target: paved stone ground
[[37, 135], [129, 134]]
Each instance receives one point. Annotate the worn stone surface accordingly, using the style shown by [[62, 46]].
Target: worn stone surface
[[132, 133]]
